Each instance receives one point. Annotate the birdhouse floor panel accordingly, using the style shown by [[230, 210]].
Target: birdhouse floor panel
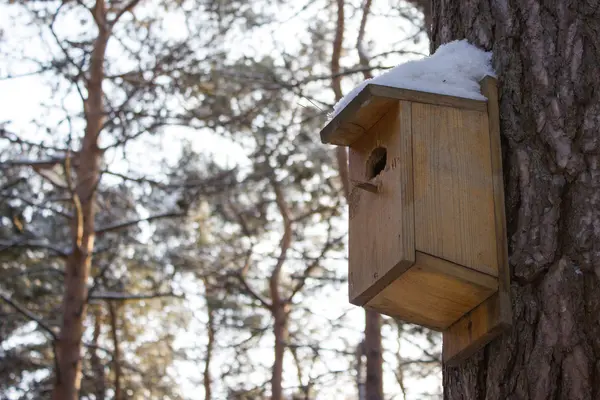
[[434, 293]]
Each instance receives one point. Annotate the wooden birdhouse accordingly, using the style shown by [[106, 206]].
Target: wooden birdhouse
[[427, 236]]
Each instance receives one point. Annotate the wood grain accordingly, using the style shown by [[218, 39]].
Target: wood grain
[[489, 89], [494, 316], [373, 102], [473, 331], [434, 293], [454, 202], [381, 226]]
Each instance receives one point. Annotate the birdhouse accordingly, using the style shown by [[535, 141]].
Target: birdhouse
[[427, 235]]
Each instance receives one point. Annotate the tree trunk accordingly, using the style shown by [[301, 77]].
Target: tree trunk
[[279, 306], [95, 360], [547, 57], [68, 376], [280, 331], [210, 326], [373, 351], [114, 334]]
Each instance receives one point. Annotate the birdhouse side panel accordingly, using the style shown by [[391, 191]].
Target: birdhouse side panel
[[453, 186], [381, 226]]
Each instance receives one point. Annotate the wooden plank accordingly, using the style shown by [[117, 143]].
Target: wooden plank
[[489, 89], [373, 102], [381, 224], [473, 331], [356, 118], [454, 197], [494, 316], [434, 293], [416, 96], [458, 272]]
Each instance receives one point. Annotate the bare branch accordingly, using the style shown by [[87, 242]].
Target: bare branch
[[48, 163], [253, 293], [14, 138], [29, 315], [12, 183], [24, 75], [127, 224], [32, 244], [129, 296], [242, 275], [51, 176], [362, 55], [127, 8], [78, 229], [313, 265], [338, 41], [341, 153], [133, 179]]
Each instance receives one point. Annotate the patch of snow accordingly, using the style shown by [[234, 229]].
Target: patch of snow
[[455, 69]]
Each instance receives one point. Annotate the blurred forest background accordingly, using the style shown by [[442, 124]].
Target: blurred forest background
[[167, 210]]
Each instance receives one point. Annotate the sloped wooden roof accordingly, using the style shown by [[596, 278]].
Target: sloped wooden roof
[[374, 101]]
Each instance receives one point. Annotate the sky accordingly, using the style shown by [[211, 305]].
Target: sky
[[22, 100]]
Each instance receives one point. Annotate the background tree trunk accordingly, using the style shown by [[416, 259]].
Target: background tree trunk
[[210, 336], [547, 57], [374, 353], [113, 310], [279, 306], [83, 192], [95, 360]]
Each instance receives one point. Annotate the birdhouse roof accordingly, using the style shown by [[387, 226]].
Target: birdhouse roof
[[373, 102]]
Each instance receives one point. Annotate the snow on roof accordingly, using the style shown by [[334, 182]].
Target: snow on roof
[[455, 69]]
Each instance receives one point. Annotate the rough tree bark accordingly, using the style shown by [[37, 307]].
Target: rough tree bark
[[547, 55], [83, 191]]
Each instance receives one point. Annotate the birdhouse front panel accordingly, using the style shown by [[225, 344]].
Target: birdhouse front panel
[[381, 181]]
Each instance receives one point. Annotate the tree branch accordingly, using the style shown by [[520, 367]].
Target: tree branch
[[337, 51], [286, 239], [341, 153], [127, 224], [130, 296], [14, 138], [128, 7], [48, 163], [241, 276], [78, 228], [308, 270], [29, 315], [362, 55], [33, 244]]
